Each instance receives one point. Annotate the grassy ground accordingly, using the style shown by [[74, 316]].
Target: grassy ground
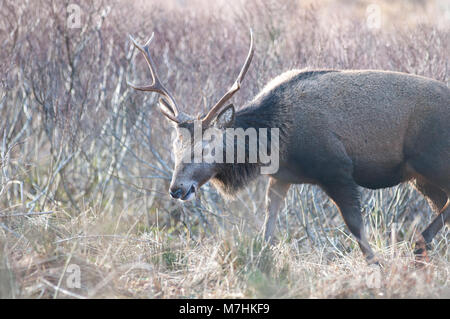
[[85, 162], [123, 257]]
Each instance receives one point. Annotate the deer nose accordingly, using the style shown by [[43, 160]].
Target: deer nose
[[176, 193]]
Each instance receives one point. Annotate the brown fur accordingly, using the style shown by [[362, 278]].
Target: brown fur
[[341, 130], [369, 128]]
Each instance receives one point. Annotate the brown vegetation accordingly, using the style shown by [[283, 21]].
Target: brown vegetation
[[85, 160]]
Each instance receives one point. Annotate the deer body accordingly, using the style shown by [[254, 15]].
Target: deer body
[[339, 130], [374, 129], [376, 119]]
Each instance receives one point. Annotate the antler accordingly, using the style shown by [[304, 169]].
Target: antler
[[236, 86], [156, 86]]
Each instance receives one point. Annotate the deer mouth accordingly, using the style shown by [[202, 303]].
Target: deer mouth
[[190, 194]]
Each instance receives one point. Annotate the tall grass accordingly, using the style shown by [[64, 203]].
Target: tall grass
[[86, 161]]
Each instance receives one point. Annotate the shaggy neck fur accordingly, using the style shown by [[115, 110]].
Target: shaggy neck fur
[[263, 112]]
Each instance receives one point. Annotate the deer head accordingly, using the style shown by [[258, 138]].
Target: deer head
[[189, 176]]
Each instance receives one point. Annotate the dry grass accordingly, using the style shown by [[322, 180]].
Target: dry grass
[[85, 161], [128, 263]]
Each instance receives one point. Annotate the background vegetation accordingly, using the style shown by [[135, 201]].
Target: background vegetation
[[85, 161]]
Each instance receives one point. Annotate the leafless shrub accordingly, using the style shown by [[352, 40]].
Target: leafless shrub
[[78, 144]]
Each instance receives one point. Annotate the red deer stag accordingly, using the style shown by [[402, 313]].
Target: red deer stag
[[337, 129]]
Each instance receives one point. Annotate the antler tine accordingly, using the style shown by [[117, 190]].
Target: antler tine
[[236, 86], [156, 86]]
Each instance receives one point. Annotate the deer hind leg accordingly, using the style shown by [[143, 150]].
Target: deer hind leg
[[438, 201], [276, 192], [423, 243], [438, 222], [435, 196], [434, 169]]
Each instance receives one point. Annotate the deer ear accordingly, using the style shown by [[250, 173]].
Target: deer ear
[[226, 117]]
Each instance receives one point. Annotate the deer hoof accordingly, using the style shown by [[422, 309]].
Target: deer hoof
[[373, 260], [420, 251]]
